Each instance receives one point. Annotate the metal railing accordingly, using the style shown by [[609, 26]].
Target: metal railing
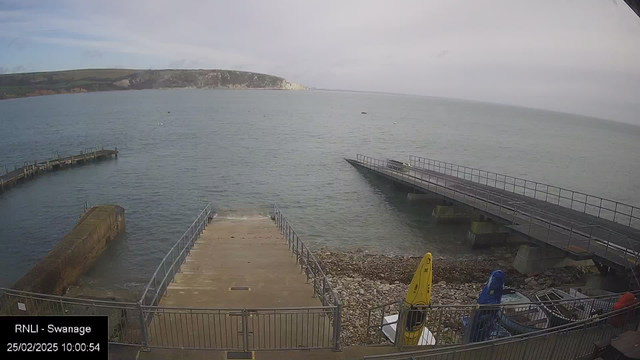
[[241, 329], [449, 324], [612, 210], [566, 342], [148, 325], [125, 319], [617, 246], [172, 261], [311, 267]]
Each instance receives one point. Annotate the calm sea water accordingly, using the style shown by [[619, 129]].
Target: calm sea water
[[242, 150]]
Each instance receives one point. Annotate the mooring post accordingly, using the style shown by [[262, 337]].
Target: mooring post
[[116, 151]]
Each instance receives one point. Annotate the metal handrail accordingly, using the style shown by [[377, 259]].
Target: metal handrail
[[176, 255], [66, 299], [480, 306], [542, 188], [310, 265], [578, 325], [505, 203]]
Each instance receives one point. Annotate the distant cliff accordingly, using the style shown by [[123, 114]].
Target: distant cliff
[[74, 81]]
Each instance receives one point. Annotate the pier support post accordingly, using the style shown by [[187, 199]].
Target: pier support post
[[532, 259], [424, 197], [451, 214], [482, 234]]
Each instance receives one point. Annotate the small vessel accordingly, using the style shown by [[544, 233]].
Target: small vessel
[[419, 294], [561, 307], [417, 298], [497, 332], [482, 324], [518, 315], [596, 301], [389, 331]]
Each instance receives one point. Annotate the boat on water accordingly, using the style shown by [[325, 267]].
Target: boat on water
[[519, 315]]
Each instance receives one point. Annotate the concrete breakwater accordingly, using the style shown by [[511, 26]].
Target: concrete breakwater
[[76, 252]]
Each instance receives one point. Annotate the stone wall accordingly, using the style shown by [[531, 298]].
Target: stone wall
[[76, 252]]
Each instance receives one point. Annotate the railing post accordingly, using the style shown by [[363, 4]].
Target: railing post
[[315, 284], [402, 314], [307, 266], [245, 330], [324, 281], [337, 326], [143, 328]]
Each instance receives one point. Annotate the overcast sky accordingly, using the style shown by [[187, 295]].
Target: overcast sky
[[579, 56]]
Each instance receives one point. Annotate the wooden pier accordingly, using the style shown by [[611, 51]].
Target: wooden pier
[[32, 168]]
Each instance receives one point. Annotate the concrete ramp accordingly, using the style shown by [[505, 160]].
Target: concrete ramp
[[240, 264], [241, 289]]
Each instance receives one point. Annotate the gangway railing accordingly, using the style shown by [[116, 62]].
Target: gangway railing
[[572, 341], [173, 260], [624, 251], [446, 325], [607, 209]]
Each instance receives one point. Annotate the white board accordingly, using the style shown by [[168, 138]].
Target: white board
[[389, 330]]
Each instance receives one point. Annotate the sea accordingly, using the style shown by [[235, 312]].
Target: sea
[[244, 150]]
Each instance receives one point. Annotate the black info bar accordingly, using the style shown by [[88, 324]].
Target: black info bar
[[48, 337]]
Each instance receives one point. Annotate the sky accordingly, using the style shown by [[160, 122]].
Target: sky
[[576, 56]]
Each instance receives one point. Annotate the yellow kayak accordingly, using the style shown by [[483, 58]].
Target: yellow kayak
[[419, 294]]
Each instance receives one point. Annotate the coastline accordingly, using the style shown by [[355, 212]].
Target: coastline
[[363, 280]]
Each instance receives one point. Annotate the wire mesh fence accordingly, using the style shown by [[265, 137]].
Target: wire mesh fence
[[571, 341], [446, 325], [125, 319]]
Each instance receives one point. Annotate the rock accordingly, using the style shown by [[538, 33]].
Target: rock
[[364, 280]]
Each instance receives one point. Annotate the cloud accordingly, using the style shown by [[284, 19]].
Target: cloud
[[529, 54]]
